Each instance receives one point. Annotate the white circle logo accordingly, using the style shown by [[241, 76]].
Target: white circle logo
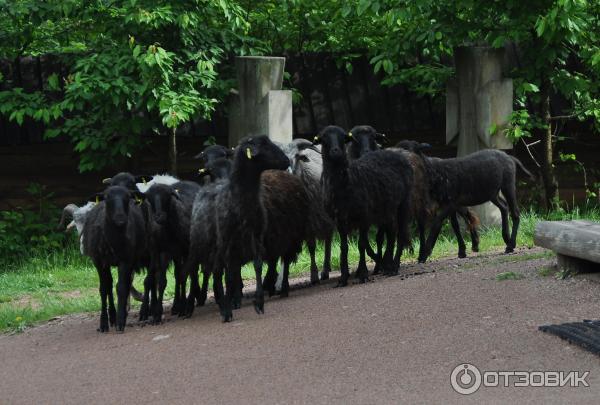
[[465, 379]]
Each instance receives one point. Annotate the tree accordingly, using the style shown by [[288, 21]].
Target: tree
[[558, 43], [137, 66]]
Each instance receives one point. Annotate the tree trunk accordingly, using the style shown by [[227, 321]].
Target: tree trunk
[[549, 181], [173, 153]]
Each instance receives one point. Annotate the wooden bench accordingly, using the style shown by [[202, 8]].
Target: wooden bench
[[576, 243]]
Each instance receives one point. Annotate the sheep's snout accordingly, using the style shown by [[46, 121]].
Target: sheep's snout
[[119, 220]]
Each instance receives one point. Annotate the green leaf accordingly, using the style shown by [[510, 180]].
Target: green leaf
[[53, 82]]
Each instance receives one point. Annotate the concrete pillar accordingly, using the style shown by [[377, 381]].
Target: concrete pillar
[[260, 107], [477, 100]]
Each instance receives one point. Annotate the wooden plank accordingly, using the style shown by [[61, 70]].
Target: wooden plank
[[579, 239]]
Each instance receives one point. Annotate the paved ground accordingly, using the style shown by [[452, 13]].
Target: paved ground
[[389, 341]]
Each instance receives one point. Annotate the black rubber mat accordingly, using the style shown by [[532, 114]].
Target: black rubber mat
[[585, 334]]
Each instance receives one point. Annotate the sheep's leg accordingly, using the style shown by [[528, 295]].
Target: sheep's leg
[[436, 227], [327, 260], [402, 231], [159, 291], [271, 277], [422, 241], [390, 266], [471, 222], [112, 312], [285, 285], [259, 296], [145, 308], [123, 286], [379, 254], [314, 271], [511, 200], [230, 280], [343, 259], [237, 292], [176, 307], [462, 248], [194, 292], [103, 298], [362, 273], [204, 291], [504, 214]]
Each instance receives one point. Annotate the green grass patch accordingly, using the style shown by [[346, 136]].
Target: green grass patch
[[42, 286]]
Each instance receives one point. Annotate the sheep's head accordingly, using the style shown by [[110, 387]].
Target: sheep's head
[[333, 140], [214, 152], [159, 198], [413, 146], [364, 139], [126, 180], [216, 169], [263, 153], [117, 200]]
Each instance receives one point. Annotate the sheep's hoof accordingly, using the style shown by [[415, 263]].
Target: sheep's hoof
[[324, 275], [227, 317], [236, 303], [283, 294], [475, 248], [376, 270], [259, 306], [314, 277], [342, 283], [201, 300], [462, 255], [422, 259], [102, 328], [120, 328], [112, 317], [509, 249]]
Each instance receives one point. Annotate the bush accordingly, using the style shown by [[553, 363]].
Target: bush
[[24, 231]]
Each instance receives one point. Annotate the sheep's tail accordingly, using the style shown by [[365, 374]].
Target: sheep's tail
[[518, 163]]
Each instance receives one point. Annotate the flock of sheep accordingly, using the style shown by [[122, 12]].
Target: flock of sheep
[[261, 202]]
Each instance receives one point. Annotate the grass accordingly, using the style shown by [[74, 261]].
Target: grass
[[46, 285]]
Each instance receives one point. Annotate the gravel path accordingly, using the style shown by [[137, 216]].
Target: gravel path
[[392, 340]]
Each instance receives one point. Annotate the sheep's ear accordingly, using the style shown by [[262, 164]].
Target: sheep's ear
[[107, 180], [317, 140], [381, 138], [143, 179], [199, 155]]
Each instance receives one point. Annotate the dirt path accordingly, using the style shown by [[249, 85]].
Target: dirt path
[[389, 341]]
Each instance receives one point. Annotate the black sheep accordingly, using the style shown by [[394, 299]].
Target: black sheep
[[428, 207], [169, 212], [115, 236], [229, 221], [472, 180], [372, 190]]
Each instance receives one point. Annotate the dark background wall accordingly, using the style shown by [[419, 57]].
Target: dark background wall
[[328, 95]]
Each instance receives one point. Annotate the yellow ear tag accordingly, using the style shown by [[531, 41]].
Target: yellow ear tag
[[200, 171], [144, 180], [316, 138], [248, 153], [97, 199], [350, 134], [138, 200]]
